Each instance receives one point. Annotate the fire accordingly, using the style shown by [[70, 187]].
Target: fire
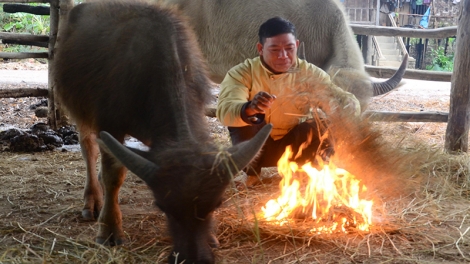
[[331, 197]]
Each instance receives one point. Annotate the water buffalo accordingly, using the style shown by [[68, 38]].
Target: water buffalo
[[227, 32], [133, 68]]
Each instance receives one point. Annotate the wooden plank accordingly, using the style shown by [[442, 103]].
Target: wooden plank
[[363, 23], [23, 55], [458, 125], [35, 10], [382, 116], [443, 32], [24, 39], [27, 43], [25, 1], [406, 116], [387, 72], [23, 92]]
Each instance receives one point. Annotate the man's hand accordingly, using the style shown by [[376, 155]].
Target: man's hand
[[260, 103]]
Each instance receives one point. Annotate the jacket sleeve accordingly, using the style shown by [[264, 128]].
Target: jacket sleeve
[[234, 97]]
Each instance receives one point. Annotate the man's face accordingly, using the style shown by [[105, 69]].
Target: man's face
[[279, 53]]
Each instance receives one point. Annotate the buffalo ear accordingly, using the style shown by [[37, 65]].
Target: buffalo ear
[[133, 159], [245, 152]]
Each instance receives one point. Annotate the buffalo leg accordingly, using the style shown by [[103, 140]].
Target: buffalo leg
[[110, 221], [93, 195]]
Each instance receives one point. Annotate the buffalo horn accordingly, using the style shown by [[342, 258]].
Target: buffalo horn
[[133, 161], [248, 150], [380, 88]]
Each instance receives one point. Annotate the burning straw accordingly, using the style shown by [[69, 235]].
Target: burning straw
[[340, 199], [384, 167]]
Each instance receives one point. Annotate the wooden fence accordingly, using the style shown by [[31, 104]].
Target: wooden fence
[[387, 72], [59, 10]]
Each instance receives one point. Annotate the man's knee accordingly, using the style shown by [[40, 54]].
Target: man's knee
[[241, 134]]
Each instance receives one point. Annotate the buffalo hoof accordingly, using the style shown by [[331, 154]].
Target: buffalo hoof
[[110, 241], [90, 215], [92, 207]]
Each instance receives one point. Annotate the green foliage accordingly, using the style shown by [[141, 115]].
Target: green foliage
[[451, 41], [414, 41], [23, 23], [440, 61]]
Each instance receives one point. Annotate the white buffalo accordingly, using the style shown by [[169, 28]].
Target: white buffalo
[[227, 31]]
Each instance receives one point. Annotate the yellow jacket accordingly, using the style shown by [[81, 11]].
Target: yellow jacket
[[298, 91]]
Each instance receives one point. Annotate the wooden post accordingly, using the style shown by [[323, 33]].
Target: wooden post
[[366, 47], [457, 127], [59, 12], [377, 15], [54, 25]]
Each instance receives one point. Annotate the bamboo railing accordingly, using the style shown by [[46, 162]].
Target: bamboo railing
[[399, 39]]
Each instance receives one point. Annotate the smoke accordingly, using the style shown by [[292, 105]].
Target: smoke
[[385, 168]]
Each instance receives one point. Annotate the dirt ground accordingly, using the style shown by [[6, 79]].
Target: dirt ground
[[41, 199]]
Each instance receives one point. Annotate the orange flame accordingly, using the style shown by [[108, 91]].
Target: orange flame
[[330, 196]]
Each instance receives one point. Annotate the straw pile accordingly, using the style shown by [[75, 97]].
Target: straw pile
[[423, 220]]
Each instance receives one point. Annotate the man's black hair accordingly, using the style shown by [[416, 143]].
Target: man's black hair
[[275, 26]]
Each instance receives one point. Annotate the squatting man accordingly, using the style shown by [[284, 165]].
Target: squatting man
[[265, 90]]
